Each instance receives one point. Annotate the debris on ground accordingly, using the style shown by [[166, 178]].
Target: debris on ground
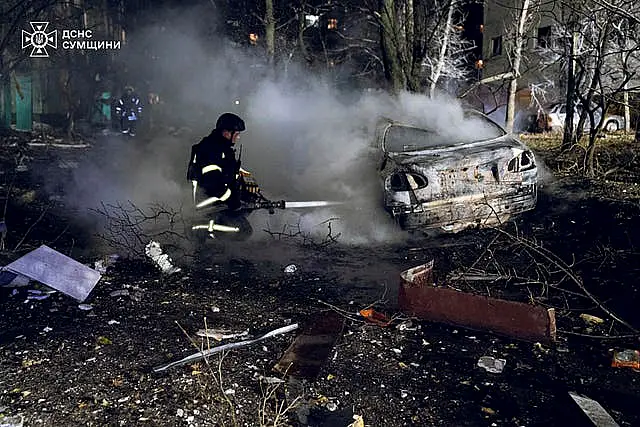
[[58, 271], [220, 334], [419, 296], [374, 316], [162, 260], [308, 352], [491, 364], [596, 413], [591, 320], [626, 359], [358, 421], [13, 421], [119, 293], [291, 268], [103, 264], [205, 353]]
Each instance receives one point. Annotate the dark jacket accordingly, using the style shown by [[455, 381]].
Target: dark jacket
[[129, 107], [213, 164]]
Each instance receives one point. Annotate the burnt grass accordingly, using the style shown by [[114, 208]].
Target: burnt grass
[[65, 366]]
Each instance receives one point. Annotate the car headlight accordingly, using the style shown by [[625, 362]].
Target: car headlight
[[406, 181]]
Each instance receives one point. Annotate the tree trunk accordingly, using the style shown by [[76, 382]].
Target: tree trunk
[[517, 58], [270, 32], [594, 128], [390, 49], [627, 109], [302, 24], [442, 56], [569, 131]]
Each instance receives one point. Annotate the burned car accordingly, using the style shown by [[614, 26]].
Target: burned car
[[474, 176]]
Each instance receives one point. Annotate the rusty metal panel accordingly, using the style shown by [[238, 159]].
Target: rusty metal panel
[[419, 297], [306, 355]]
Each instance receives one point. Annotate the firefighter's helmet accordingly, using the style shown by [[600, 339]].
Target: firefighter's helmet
[[230, 122]]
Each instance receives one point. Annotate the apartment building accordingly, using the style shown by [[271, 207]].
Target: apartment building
[[539, 69]]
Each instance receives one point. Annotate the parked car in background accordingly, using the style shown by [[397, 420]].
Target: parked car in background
[[557, 114], [475, 176]]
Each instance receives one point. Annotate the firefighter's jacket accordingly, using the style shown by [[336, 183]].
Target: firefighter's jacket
[[213, 167], [129, 107]]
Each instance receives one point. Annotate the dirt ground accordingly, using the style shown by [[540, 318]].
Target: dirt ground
[[62, 365]]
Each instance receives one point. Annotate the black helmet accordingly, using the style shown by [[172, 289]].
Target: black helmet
[[230, 122]]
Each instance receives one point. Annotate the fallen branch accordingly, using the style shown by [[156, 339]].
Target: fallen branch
[[562, 266]]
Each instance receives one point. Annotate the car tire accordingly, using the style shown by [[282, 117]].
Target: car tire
[[611, 126]]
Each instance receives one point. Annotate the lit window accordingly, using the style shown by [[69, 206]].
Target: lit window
[[332, 24], [479, 64], [253, 38]]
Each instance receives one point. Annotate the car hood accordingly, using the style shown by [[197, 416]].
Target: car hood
[[461, 153]]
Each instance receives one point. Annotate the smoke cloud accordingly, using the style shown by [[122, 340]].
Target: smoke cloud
[[305, 139]]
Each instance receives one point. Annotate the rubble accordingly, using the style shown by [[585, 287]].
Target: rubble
[[162, 260], [491, 364], [290, 269], [626, 359]]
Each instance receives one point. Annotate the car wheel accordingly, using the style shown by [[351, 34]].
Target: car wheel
[[611, 126]]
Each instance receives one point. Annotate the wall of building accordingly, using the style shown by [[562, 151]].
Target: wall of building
[[500, 23]]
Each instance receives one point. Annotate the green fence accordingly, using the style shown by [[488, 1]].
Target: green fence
[[24, 104], [5, 104]]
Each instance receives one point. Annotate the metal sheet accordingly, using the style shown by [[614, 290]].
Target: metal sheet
[[596, 413], [57, 271], [308, 352], [419, 297]]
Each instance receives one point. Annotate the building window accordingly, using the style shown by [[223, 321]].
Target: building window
[[332, 24], [544, 38], [496, 46]]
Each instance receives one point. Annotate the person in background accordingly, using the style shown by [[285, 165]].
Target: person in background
[[129, 110]]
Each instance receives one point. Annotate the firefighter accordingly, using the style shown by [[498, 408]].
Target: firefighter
[[129, 110], [214, 169]]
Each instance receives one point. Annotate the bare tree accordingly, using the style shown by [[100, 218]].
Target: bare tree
[[523, 22], [419, 41], [451, 47], [604, 55], [270, 31]]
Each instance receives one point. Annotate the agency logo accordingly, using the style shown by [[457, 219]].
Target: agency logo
[[39, 39]]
